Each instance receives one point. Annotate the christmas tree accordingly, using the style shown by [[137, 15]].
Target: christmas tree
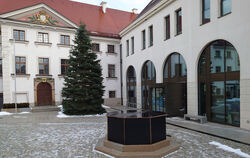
[[83, 89]]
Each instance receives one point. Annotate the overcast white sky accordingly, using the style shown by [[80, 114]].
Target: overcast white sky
[[126, 5]]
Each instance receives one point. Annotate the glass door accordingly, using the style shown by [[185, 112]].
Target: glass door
[[158, 99]]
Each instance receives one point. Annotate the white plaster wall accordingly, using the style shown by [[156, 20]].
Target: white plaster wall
[[233, 28], [32, 51]]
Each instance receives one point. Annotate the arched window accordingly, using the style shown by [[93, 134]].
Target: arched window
[[219, 90], [175, 67], [148, 79], [175, 84], [131, 87]]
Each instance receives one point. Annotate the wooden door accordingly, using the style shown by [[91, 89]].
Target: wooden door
[[44, 94]]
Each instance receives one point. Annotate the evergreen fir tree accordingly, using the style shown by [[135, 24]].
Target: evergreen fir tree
[[83, 89]]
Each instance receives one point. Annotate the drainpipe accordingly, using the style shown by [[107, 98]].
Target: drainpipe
[[121, 74]]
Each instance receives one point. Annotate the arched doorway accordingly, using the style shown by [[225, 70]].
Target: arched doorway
[[148, 80], [131, 87], [44, 94], [175, 83], [219, 83]]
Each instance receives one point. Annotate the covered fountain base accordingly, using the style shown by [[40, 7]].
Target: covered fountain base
[[136, 133], [156, 150]]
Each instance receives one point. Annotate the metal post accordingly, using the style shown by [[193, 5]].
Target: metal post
[[15, 74]]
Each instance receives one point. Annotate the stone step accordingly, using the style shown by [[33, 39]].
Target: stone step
[[45, 108]]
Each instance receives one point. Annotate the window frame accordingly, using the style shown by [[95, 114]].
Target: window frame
[[65, 65], [43, 38], [108, 48], [64, 40], [221, 8], [19, 35], [114, 96], [127, 46], [44, 64], [151, 35], [178, 23], [167, 27], [95, 44], [203, 12], [20, 63], [143, 39], [111, 71], [1, 67], [133, 45]]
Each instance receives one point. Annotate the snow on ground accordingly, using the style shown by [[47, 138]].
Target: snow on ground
[[25, 112], [62, 115], [229, 149], [3, 113], [106, 107]]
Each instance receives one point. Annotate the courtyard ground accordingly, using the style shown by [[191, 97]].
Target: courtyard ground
[[43, 134]]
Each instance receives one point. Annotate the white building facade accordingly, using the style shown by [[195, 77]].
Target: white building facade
[[196, 52], [39, 51]]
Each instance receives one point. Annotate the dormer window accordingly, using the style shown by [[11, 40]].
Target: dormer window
[[19, 35]]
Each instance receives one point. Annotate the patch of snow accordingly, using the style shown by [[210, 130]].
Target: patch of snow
[[3, 113], [170, 154], [229, 149], [62, 115], [104, 106], [99, 152], [25, 112]]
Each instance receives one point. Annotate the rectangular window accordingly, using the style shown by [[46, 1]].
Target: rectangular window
[[229, 54], [111, 94], [167, 27], [151, 39], [96, 47], [111, 49], [43, 66], [1, 69], [218, 69], [178, 22], [43, 37], [65, 40], [132, 45], [205, 11], [20, 65], [225, 7], [217, 54], [111, 70], [64, 66], [19, 35], [127, 47], [143, 39]]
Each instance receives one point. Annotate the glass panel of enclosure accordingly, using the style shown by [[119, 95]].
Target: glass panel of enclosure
[[131, 87], [148, 79], [219, 92]]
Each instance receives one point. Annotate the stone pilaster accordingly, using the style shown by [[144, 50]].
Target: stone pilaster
[[7, 52], [192, 98], [244, 104]]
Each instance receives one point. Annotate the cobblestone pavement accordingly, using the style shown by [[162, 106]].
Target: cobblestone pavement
[[44, 135]]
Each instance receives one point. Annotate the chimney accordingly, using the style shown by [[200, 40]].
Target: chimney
[[135, 11], [104, 6]]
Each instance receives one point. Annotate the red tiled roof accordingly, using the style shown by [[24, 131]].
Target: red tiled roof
[[107, 24]]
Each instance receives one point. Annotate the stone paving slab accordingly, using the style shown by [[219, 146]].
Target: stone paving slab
[[223, 131], [43, 135]]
